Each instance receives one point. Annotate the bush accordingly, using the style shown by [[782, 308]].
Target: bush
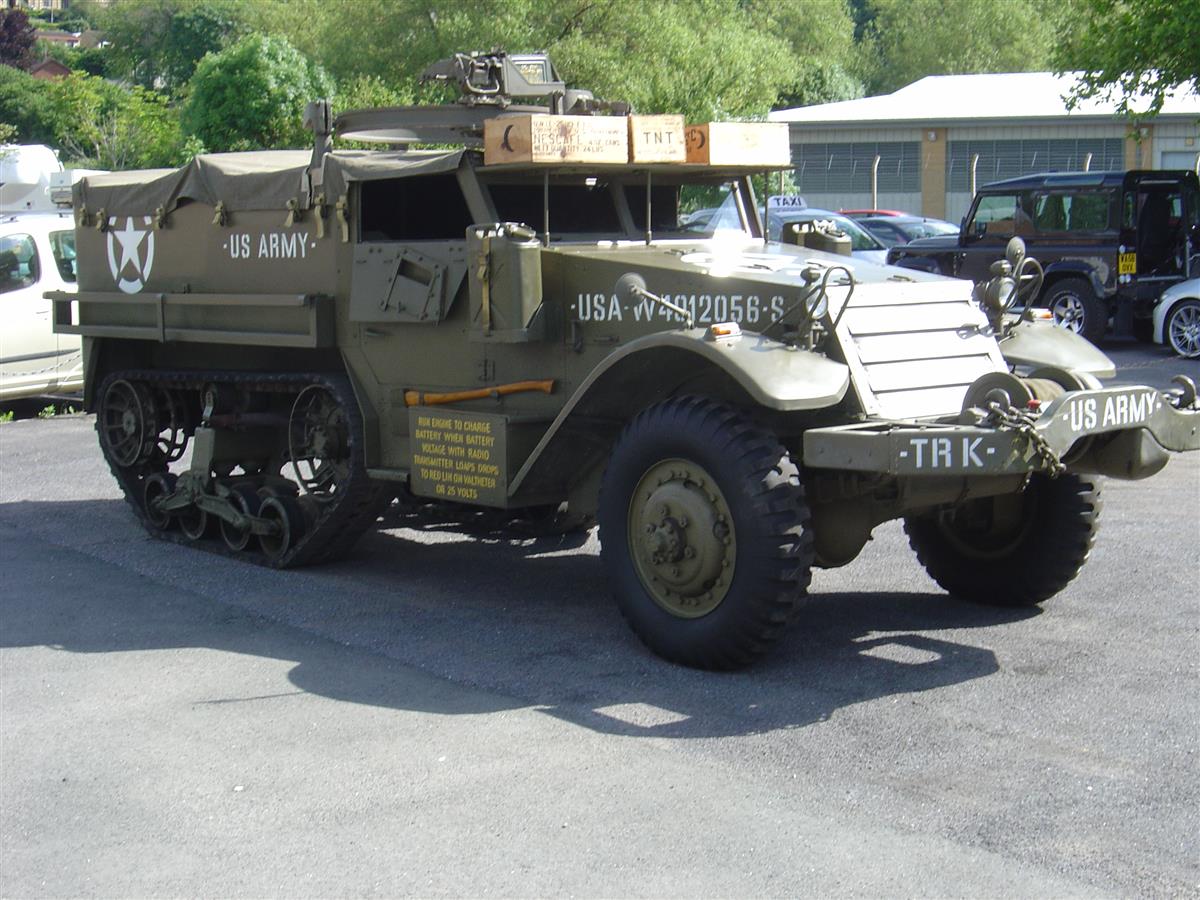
[[251, 96]]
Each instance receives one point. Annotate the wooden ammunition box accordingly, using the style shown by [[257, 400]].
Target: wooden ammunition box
[[555, 139], [656, 139], [739, 144]]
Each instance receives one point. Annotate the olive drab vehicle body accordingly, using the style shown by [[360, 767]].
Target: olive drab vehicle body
[[280, 344]]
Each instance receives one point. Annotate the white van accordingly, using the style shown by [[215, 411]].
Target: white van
[[37, 254]]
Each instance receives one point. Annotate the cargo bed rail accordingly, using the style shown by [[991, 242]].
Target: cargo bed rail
[[281, 320]]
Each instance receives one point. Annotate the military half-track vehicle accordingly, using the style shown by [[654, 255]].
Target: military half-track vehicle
[[278, 344]]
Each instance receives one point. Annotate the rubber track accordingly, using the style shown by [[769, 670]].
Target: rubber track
[[359, 502]]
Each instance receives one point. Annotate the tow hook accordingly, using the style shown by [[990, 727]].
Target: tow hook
[[1183, 397]]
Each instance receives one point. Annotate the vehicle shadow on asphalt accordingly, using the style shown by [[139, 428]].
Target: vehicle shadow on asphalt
[[520, 623]]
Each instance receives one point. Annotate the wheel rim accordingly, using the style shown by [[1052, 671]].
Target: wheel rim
[[1183, 331], [992, 527], [288, 518], [126, 423], [681, 538], [319, 443], [158, 485], [239, 538], [1068, 312], [194, 522]]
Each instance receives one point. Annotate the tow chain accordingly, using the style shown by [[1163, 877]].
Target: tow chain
[[1013, 419]]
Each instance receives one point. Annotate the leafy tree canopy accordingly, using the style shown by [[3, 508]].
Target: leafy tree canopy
[[699, 57], [157, 43], [1134, 51], [915, 38], [17, 37], [92, 122], [251, 96]]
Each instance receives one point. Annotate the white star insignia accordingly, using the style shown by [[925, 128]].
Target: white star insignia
[[131, 240]]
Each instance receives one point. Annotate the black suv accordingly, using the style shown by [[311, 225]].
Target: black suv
[[1111, 242]]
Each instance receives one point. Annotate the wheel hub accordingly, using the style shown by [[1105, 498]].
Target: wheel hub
[[1068, 312], [681, 539]]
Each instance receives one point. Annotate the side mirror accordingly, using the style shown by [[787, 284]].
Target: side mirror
[[980, 229]]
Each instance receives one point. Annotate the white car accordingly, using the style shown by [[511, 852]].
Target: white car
[[1177, 318], [37, 254]]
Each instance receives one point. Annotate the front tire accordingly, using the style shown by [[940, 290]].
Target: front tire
[[1076, 307], [704, 533], [1012, 550], [1182, 329]]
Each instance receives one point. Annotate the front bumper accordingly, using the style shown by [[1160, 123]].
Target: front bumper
[[1124, 432]]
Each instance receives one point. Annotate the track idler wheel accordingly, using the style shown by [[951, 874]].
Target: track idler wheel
[[155, 487], [288, 516], [245, 500]]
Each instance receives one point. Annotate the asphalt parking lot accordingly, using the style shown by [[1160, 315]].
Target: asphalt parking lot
[[457, 714]]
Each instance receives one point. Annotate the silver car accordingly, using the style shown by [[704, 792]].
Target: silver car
[[1177, 318]]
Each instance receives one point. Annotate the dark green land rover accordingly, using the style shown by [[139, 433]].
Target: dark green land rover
[[1111, 242]]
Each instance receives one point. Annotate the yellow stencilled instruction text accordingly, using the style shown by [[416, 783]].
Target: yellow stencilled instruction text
[[456, 456]]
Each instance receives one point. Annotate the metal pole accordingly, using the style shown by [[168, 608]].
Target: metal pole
[[649, 233], [875, 183], [546, 208], [974, 167]]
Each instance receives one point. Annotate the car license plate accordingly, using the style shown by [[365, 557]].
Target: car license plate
[[1127, 264]]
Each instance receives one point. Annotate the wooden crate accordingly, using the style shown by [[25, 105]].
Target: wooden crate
[[537, 138], [739, 144], [656, 139]]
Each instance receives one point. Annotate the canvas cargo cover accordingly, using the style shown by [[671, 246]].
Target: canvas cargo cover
[[260, 180]]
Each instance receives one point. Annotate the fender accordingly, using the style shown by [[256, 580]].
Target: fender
[[1042, 343], [1078, 268], [771, 373]]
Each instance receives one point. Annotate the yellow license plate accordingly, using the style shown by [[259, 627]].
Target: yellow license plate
[[1127, 264]]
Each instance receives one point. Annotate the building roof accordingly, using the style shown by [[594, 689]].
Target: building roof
[[49, 68], [958, 98]]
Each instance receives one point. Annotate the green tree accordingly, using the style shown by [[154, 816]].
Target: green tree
[[699, 57], [17, 37], [158, 43], [915, 38], [91, 60], [26, 106], [825, 56], [1134, 51], [252, 95], [93, 122]]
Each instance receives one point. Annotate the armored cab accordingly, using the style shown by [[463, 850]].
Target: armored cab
[[278, 344]]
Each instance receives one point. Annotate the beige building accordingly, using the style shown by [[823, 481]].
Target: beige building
[[925, 147], [45, 5]]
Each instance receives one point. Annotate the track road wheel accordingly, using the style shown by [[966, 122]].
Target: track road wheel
[[160, 484], [704, 533], [195, 523], [1012, 550], [288, 515], [246, 501], [1077, 308]]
